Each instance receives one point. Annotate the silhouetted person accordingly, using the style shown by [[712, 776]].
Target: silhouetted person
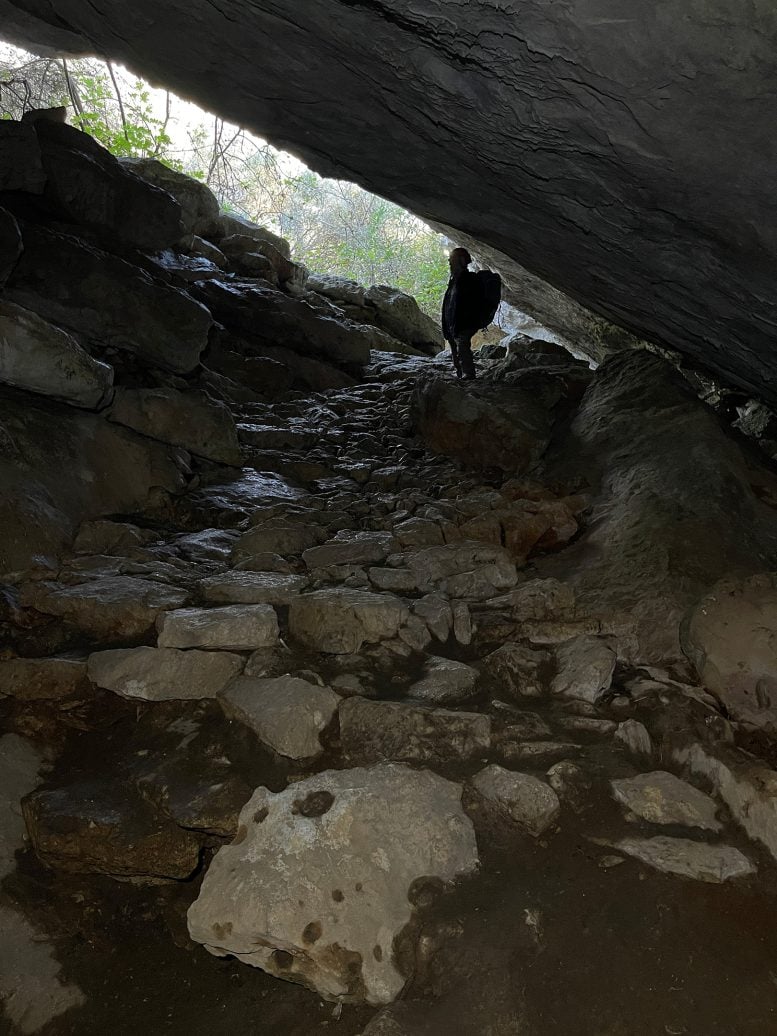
[[469, 305]]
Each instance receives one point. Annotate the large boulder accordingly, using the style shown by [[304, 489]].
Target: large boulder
[[87, 185], [66, 466], [188, 419], [730, 635], [484, 427], [315, 886], [199, 205], [38, 357], [107, 300], [672, 504]]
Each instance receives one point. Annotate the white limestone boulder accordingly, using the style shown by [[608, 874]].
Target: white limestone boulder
[[315, 886]]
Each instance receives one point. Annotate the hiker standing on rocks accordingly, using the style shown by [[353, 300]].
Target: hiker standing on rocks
[[470, 302]]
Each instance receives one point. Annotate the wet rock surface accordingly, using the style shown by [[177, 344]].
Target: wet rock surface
[[357, 657]]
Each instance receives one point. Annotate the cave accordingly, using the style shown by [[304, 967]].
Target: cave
[[338, 693]]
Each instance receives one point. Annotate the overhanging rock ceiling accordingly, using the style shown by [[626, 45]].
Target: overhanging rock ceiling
[[623, 151]]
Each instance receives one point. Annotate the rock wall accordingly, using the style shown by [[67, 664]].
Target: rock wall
[[115, 304], [622, 152]]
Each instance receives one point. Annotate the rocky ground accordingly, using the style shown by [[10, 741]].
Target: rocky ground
[[338, 696]]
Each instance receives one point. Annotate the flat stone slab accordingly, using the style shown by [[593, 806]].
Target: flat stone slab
[[107, 608], [286, 713], [314, 888], [252, 588], [662, 798], [238, 627], [687, 859], [529, 802], [162, 674], [339, 621], [377, 730]]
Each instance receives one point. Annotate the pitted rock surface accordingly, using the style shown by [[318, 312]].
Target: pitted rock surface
[[314, 887]]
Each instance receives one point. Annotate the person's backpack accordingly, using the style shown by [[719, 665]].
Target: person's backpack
[[490, 285]]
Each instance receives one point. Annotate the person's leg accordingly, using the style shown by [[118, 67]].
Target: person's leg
[[455, 356], [464, 350]]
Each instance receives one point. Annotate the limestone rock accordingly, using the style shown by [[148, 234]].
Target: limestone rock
[[436, 612], [199, 205], [42, 679], [287, 539], [670, 521], [188, 419], [400, 316], [103, 536], [229, 225], [286, 713], [662, 798], [103, 828], [38, 357], [315, 887], [388, 308], [378, 730], [482, 427], [162, 674], [463, 569], [10, 245], [687, 859], [107, 300], [731, 638], [113, 608], [518, 670], [748, 787], [350, 549], [252, 588], [635, 736], [110, 470], [527, 801], [238, 627], [270, 317], [86, 185], [585, 668], [445, 682], [339, 621]]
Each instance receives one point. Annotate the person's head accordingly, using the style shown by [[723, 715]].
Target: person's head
[[459, 260]]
